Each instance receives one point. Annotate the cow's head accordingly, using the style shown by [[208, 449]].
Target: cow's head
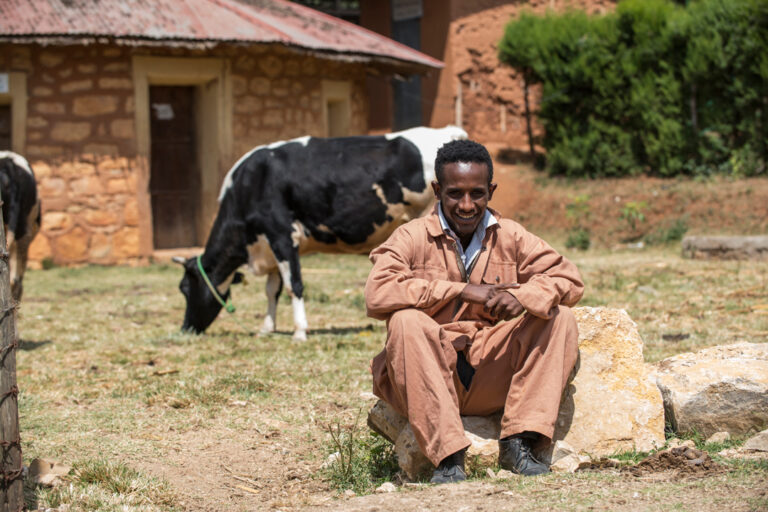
[[202, 305]]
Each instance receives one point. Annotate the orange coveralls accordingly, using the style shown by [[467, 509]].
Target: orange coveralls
[[521, 366]]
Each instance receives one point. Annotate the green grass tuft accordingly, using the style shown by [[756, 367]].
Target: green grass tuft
[[362, 459]]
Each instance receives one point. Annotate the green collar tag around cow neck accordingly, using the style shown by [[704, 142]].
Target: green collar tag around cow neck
[[228, 306]]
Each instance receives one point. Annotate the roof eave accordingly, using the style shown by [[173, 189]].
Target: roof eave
[[388, 64]]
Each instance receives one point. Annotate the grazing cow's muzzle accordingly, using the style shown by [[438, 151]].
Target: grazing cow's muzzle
[[202, 307]]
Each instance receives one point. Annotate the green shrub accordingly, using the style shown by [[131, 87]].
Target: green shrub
[[578, 213], [653, 87], [578, 239], [672, 233]]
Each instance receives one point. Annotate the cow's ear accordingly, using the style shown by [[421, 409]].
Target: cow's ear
[[238, 278]]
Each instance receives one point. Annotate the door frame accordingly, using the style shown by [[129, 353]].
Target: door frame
[[213, 131], [16, 97]]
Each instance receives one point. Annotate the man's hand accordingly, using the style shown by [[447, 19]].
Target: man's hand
[[481, 293], [495, 299], [504, 306]]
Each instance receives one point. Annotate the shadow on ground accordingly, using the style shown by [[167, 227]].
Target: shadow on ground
[[32, 345]]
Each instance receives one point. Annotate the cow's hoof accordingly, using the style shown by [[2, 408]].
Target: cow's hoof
[[300, 335], [267, 327]]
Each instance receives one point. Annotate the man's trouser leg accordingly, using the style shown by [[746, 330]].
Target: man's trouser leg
[[522, 367], [419, 382]]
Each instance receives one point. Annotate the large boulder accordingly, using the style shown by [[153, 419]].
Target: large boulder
[[723, 388], [611, 404]]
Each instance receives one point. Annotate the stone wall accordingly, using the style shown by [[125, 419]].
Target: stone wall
[[80, 141], [81, 135], [278, 95]]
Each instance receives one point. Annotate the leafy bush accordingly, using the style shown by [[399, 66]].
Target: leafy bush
[[653, 87], [672, 233], [578, 239]]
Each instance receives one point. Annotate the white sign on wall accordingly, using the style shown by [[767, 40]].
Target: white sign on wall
[[163, 111], [406, 10], [4, 83]]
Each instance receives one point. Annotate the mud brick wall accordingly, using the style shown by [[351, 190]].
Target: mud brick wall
[[493, 106]]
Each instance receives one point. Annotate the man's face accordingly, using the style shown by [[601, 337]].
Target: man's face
[[464, 195]]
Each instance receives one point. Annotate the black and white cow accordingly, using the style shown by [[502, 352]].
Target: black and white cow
[[21, 214], [334, 195]]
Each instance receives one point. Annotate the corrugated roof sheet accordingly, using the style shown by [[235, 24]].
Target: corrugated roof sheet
[[254, 21]]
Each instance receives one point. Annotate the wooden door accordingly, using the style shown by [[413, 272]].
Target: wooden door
[[175, 175], [5, 127]]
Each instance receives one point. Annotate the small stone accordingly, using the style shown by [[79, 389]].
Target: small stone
[[757, 443], [349, 493], [504, 474], [728, 452], [719, 437], [490, 473], [386, 487], [562, 450], [675, 443], [570, 463], [330, 460], [648, 290], [95, 105]]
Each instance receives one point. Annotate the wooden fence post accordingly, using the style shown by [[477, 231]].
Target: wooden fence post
[[11, 478]]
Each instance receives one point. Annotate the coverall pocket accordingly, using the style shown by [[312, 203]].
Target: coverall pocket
[[498, 272]]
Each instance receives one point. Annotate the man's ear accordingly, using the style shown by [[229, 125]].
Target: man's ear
[[238, 278], [491, 189], [436, 189]]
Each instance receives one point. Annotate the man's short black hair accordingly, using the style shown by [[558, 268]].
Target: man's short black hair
[[463, 150]]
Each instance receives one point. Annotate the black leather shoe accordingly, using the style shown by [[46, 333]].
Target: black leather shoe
[[450, 469], [515, 455]]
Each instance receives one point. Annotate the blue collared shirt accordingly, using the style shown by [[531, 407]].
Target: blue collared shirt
[[473, 249]]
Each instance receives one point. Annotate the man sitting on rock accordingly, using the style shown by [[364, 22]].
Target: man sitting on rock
[[451, 287]]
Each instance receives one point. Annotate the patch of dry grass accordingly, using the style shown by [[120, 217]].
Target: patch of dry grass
[[107, 378], [679, 305]]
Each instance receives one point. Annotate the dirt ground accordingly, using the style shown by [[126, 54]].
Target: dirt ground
[[711, 206], [227, 470], [211, 474]]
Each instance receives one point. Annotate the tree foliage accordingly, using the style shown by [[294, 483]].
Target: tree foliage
[[653, 87]]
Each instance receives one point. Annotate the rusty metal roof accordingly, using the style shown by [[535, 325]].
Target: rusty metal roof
[[235, 21]]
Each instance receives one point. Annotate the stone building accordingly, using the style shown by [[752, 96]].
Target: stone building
[[131, 112]]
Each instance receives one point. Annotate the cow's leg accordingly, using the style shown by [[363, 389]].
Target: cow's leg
[[16, 265], [17, 273], [274, 287], [287, 256]]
